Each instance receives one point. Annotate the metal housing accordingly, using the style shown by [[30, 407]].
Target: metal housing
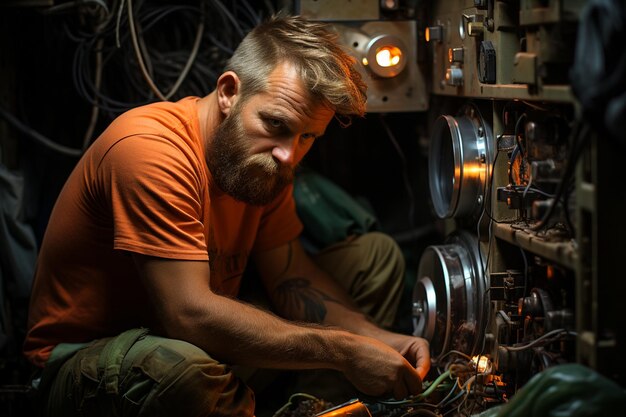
[[450, 300], [459, 163]]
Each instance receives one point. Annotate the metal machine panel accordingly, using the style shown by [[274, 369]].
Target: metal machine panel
[[404, 91]]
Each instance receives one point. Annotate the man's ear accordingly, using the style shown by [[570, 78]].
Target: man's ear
[[228, 86]]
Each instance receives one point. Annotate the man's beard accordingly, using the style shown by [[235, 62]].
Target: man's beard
[[254, 179]]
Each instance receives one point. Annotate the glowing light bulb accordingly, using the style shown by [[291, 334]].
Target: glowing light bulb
[[388, 56], [482, 364], [385, 56]]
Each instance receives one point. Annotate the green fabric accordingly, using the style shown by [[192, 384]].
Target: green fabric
[[329, 213], [136, 374], [570, 390], [60, 353], [112, 355]]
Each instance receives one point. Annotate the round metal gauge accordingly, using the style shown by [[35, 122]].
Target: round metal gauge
[[450, 300]]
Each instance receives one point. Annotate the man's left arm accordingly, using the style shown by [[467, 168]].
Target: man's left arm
[[301, 291]]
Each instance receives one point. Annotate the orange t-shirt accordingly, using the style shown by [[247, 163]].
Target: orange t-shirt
[[144, 187]]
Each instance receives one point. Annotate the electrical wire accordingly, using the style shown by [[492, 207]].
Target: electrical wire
[[230, 17], [523, 116], [431, 388], [117, 24], [485, 265], [539, 340], [454, 352], [534, 106], [290, 402], [528, 185], [190, 61], [534, 189], [255, 18], [452, 401], [580, 136], [419, 397], [64, 7], [525, 270], [105, 70], [489, 182], [190, 74], [139, 54], [95, 111], [463, 379], [443, 402]]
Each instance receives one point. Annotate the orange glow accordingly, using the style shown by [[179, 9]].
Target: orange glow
[[550, 272], [473, 170], [427, 34], [388, 56], [365, 61], [482, 364], [354, 409]]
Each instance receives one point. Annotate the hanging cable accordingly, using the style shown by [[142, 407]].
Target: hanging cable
[[190, 60], [545, 338], [117, 24], [63, 7], [95, 110], [139, 55], [126, 58]]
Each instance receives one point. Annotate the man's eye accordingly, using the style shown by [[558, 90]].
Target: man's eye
[[275, 123], [307, 136]]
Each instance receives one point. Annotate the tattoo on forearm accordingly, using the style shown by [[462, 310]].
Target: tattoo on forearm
[[297, 299]]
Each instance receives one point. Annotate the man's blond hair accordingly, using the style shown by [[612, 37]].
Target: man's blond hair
[[328, 72]]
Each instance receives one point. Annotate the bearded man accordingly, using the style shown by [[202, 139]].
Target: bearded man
[[134, 309]]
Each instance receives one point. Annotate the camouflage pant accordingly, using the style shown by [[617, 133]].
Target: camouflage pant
[[136, 374]]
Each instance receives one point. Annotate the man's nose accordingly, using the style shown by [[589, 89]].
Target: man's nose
[[285, 151]]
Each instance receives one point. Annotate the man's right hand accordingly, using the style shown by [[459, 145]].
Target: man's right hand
[[378, 370]]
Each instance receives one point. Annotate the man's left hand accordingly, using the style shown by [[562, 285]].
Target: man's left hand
[[414, 349]]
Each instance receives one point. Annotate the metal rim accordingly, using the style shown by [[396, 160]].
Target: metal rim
[[459, 163], [370, 54], [451, 288]]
